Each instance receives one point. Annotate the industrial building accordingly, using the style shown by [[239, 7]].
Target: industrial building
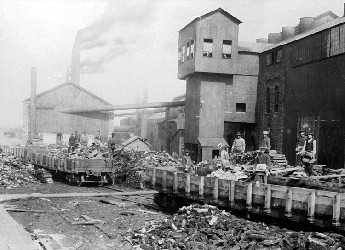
[[302, 86], [52, 126], [221, 76]]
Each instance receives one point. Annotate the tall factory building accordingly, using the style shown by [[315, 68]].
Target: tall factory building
[[302, 87], [221, 76]]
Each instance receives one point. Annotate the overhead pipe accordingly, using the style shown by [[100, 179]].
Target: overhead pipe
[[124, 107], [141, 112]]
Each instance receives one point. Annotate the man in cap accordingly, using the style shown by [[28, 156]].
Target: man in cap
[[72, 141], [299, 147], [266, 143], [111, 141], [238, 147], [308, 154], [262, 163], [187, 160], [239, 144]]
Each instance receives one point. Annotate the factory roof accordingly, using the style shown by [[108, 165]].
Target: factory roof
[[133, 139], [320, 28], [212, 142], [74, 85], [225, 13], [252, 47]]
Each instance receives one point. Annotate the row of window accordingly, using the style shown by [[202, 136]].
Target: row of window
[[187, 52], [276, 99], [274, 57], [325, 44]]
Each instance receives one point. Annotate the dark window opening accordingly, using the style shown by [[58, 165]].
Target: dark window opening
[[192, 48], [226, 53], [207, 48], [268, 100], [276, 99], [215, 153], [188, 51], [241, 107], [274, 57]]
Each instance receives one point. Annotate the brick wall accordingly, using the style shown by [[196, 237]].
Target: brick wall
[[272, 121]]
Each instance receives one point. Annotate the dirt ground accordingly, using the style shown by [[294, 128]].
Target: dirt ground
[[54, 225]]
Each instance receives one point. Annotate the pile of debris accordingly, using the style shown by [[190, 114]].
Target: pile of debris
[[14, 173], [130, 165], [206, 227]]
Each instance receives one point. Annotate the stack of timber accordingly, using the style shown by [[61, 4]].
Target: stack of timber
[[295, 203], [278, 159]]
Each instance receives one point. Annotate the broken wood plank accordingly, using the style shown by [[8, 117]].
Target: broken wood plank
[[328, 176], [148, 212], [88, 218], [286, 170], [119, 204], [7, 197], [28, 210], [137, 202], [85, 222]]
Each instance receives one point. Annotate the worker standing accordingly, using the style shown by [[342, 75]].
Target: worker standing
[[84, 139], [299, 147], [262, 164], [76, 135], [187, 160], [111, 141], [224, 156], [309, 154], [72, 141], [266, 143], [98, 138], [238, 147]]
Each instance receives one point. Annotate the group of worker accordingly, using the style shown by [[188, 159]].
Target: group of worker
[[262, 161], [83, 140]]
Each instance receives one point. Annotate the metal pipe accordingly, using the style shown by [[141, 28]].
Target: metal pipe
[[124, 107], [75, 66], [32, 132], [140, 112]]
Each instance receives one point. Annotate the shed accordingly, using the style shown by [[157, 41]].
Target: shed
[[137, 144], [51, 122]]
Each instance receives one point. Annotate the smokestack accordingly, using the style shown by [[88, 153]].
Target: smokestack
[[75, 67], [144, 116], [32, 130]]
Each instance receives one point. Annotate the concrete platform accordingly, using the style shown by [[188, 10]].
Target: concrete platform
[[12, 235]]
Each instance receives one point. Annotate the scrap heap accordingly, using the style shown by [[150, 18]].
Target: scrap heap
[[206, 227], [14, 173]]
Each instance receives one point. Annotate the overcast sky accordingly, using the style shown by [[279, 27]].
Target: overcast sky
[[135, 42]]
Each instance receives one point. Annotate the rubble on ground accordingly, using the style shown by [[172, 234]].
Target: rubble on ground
[[206, 227], [15, 173]]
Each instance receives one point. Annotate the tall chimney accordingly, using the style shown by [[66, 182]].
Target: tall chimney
[[75, 67], [144, 116], [32, 117]]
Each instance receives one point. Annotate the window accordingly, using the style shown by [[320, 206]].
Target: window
[[279, 57], [188, 50], [192, 46], [179, 54], [207, 48], [241, 107], [334, 41], [268, 59], [274, 57], [183, 53], [226, 53], [268, 100], [276, 99]]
